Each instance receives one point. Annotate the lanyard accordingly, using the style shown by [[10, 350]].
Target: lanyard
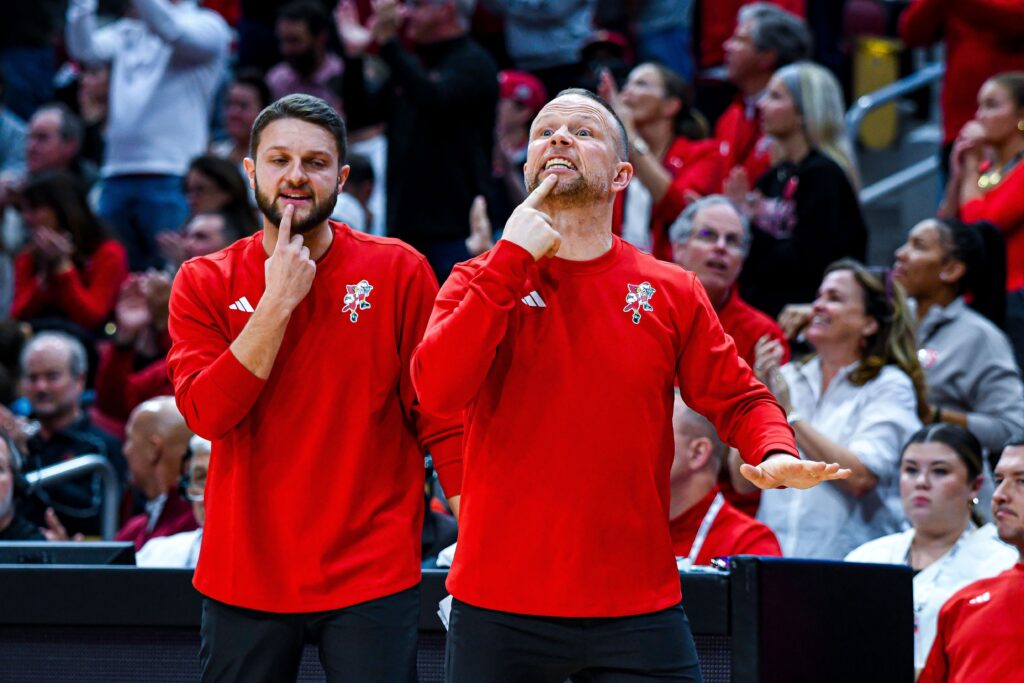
[[703, 529]]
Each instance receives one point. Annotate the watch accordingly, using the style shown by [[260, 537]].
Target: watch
[[794, 417]]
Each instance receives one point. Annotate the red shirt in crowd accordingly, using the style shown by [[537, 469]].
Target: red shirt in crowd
[[86, 297], [696, 168], [314, 497], [742, 142], [982, 37], [175, 516], [718, 21], [731, 533], [980, 633], [1003, 206], [564, 372], [746, 325], [120, 386]]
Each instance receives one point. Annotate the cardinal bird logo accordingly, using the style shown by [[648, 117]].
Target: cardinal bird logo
[[638, 299], [355, 299]]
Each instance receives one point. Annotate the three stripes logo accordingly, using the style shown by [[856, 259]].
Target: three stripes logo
[[533, 300], [242, 305]]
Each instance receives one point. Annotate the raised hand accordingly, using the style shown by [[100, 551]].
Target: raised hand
[[132, 312], [607, 89], [794, 318], [481, 237], [386, 20], [289, 270], [530, 228], [172, 247], [354, 36], [787, 470]]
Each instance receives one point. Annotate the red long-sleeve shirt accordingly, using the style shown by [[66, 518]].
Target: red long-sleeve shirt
[[983, 38], [85, 297], [1003, 206], [980, 633], [696, 167], [568, 410], [314, 497], [742, 142], [731, 533], [120, 387]]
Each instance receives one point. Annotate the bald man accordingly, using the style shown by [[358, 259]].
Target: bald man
[[156, 440], [703, 524]]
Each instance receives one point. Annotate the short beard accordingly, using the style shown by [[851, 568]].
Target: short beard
[[318, 213], [580, 192]]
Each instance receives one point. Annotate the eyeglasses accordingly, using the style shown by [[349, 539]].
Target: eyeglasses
[[733, 242]]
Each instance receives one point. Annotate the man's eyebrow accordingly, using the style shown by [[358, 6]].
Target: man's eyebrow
[[572, 117]]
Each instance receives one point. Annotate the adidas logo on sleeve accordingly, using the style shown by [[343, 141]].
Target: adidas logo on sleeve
[[242, 305]]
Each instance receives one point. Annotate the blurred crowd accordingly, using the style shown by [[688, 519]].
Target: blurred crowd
[[124, 131]]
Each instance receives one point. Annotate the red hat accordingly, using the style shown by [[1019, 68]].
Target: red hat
[[522, 88]]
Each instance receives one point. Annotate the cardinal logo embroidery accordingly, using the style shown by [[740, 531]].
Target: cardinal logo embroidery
[[355, 299], [638, 300]]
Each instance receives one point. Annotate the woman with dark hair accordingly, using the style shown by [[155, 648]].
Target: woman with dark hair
[[946, 546], [672, 160], [855, 402], [973, 379], [69, 268], [986, 182]]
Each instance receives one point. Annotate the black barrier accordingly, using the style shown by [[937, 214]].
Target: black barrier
[[764, 621]]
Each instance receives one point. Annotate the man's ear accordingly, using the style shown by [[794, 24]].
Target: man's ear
[[250, 170], [701, 452], [623, 174]]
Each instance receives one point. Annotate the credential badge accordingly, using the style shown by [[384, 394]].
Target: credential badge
[[638, 299], [355, 299]]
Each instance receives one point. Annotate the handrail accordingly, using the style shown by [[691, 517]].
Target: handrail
[[866, 103], [897, 181], [75, 468]]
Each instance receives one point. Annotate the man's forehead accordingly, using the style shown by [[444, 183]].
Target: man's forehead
[[574, 106], [720, 217], [297, 137], [1012, 460]]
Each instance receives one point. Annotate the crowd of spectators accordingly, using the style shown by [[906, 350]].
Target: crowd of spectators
[[124, 129]]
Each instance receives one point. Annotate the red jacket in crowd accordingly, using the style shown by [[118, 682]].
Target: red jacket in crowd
[[1003, 206], [731, 533], [175, 516], [980, 633], [983, 38], [564, 372], [741, 140], [696, 169], [85, 297], [314, 497]]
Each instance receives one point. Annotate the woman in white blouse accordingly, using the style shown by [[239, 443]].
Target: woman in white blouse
[[855, 402], [940, 476]]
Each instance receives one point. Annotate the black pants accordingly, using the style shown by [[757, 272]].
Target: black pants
[[373, 641], [486, 646]]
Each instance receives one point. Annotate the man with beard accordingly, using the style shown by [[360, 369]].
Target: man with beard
[[309, 66], [290, 352], [577, 339]]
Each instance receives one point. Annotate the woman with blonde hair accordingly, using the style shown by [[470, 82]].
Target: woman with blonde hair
[[855, 402], [804, 210]]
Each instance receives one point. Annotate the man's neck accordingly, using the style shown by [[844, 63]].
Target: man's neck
[[49, 426], [586, 232], [316, 240], [690, 492], [717, 297], [753, 85]]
